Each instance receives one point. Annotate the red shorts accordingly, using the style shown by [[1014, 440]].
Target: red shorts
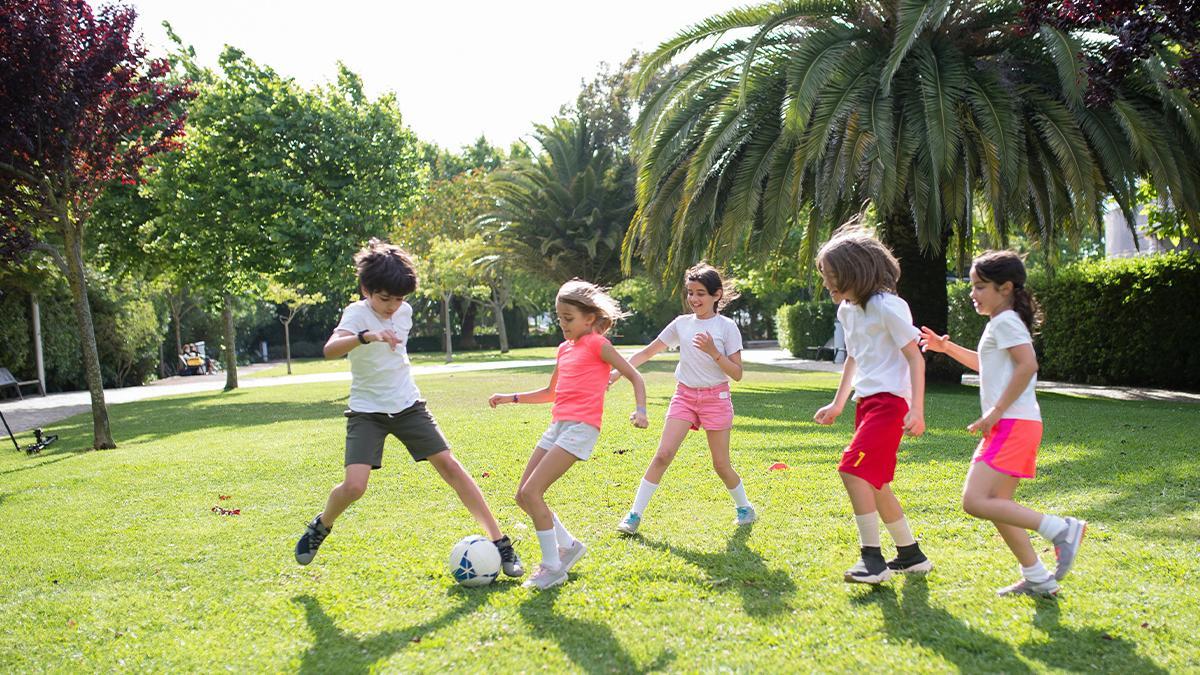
[[708, 408], [1011, 446], [878, 427]]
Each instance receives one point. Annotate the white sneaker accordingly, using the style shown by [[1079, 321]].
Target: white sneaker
[[569, 555], [1066, 545], [630, 524], [1043, 589], [545, 577], [746, 515]]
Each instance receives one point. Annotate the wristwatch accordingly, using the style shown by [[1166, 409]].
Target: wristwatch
[[516, 398], [362, 336]]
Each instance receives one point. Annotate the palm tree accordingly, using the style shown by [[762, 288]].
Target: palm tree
[[565, 211], [802, 114]]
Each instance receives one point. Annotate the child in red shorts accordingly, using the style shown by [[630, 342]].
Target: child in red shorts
[[710, 354], [885, 368], [1011, 423]]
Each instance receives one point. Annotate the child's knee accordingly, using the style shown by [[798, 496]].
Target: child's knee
[[973, 505], [526, 497], [664, 456], [354, 489]]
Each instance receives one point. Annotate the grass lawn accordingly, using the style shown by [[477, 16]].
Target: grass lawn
[[310, 366], [115, 560]]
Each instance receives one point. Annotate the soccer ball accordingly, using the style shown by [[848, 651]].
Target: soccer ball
[[474, 561]]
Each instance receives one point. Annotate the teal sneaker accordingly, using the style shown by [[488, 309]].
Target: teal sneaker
[[746, 515], [630, 524]]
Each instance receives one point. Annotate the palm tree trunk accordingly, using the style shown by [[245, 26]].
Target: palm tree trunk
[[446, 326], [923, 286], [230, 344], [469, 311], [498, 303], [73, 236]]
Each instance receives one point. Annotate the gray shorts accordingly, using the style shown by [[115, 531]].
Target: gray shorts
[[577, 438], [414, 426]]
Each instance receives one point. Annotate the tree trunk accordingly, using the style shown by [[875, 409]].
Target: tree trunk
[[470, 310], [73, 236], [287, 345], [498, 303], [230, 344], [445, 323], [923, 286]]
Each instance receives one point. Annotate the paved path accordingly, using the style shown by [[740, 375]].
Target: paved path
[[35, 411]]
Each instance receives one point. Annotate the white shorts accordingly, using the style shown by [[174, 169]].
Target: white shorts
[[577, 438]]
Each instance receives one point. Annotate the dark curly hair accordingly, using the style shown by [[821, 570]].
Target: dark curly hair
[[385, 268]]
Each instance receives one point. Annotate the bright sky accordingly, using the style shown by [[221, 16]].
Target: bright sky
[[458, 68]]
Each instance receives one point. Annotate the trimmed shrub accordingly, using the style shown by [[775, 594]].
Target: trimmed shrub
[[804, 324]]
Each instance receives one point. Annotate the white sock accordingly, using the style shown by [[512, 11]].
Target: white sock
[[1051, 526], [900, 532], [565, 539], [642, 499], [1036, 573], [739, 495], [549, 544], [868, 529]]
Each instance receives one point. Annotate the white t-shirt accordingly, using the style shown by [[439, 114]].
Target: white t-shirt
[[996, 364], [381, 379], [874, 336], [697, 369]]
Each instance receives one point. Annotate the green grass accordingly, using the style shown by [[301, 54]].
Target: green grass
[[311, 366], [114, 560]]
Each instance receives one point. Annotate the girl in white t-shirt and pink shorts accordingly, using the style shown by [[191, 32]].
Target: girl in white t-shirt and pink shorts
[[1011, 422], [710, 353]]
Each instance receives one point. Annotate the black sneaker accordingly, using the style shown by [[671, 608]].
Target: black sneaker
[[871, 568], [310, 541], [509, 559], [910, 560]]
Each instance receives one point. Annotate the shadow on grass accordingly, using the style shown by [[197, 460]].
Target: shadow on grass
[[55, 457], [1083, 649], [156, 419], [910, 618], [335, 650], [590, 645], [738, 566]]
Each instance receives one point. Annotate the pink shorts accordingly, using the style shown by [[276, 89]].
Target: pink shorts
[[1011, 447], [708, 408]]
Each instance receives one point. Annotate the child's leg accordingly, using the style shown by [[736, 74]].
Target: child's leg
[[451, 471], [674, 431], [862, 500], [988, 495], [718, 446], [350, 490], [550, 466]]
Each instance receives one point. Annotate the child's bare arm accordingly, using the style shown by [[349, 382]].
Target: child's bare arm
[[914, 420], [609, 354], [648, 352], [543, 395], [829, 414], [1025, 366], [342, 342], [932, 342]]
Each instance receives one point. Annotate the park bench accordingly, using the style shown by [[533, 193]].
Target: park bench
[[826, 351], [7, 380]]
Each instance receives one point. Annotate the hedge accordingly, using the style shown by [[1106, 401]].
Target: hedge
[[1125, 321], [804, 324]]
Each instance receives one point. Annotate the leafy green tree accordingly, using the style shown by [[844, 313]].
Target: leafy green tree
[[564, 211], [445, 271], [808, 110], [293, 300]]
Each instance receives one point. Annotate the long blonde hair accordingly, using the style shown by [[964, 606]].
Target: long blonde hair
[[594, 300]]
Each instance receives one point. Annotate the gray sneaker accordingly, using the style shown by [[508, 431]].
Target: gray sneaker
[[1044, 589], [569, 555], [746, 515], [630, 524], [310, 541], [1066, 545], [545, 578]]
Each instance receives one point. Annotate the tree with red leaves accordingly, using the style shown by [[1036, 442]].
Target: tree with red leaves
[[81, 108], [1168, 29]]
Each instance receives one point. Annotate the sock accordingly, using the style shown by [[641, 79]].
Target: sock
[[565, 539], [1051, 526], [644, 493], [900, 532], [549, 544], [1036, 573], [868, 529], [739, 495]]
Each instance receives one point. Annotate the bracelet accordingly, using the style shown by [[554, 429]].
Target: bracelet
[[516, 398], [640, 409]]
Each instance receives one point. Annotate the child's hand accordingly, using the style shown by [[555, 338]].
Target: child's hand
[[914, 423], [613, 376], [704, 342], [932, 342], [497, 399], [638, 417], [386, 335], [984, 424], [828, 414]]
